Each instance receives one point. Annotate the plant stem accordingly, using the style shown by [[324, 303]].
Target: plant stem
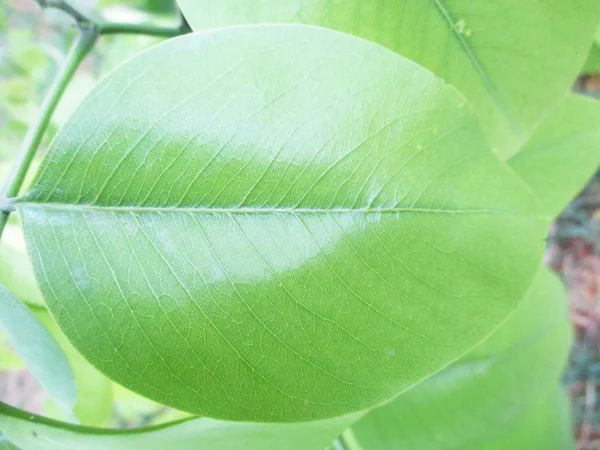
[[115, 27], [79, 49], [134, 28]]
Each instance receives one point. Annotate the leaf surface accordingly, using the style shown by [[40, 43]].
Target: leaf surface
[[31, 432], [36, 347], [513, 60], [482, 401], [277, 223], [563, 153]]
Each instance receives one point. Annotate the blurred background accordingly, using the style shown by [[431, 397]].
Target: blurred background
[[33, 45]]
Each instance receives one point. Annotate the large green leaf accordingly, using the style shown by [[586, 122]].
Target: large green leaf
[[513, 60], [480, 401], [32, 432], [563, 153], [44, 358], [277, 223]]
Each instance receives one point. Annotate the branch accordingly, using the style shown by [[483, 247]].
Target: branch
[[65, 7], [115, 27], [149, 30], [79, 49]]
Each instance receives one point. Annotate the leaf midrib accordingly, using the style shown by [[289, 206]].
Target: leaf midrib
[[246, 210], [487, 82]]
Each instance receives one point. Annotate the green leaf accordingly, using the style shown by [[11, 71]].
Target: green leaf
[[592, 65], [513, 60], [37, 433], [563, 153], [277, 223], [481, 400], [44, 358]]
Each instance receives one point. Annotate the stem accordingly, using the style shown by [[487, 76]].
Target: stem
[[79, 49], [133, 28], [115, 27], [65, 7]]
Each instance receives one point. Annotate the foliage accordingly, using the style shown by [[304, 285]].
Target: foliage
[[592, 64], [512, 61], [271, 224], [37, 348]]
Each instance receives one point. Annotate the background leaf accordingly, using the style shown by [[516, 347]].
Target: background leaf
[[94, 391], [592, 64], [563, 153], [481, 401], [513, 60], [277, 223], [37, 349], [36, 433]]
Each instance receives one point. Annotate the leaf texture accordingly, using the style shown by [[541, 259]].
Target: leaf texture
[[277, 223]]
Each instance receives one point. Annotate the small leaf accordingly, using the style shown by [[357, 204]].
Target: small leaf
[[480, 401], [44, 358], [563, 153], [513, 60], [37, 433], [277, 223]]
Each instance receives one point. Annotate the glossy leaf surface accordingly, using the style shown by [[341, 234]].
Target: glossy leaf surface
[[482, 400], [277, 223], [37, 433], [512, 60], [563, 153], [36, 347]]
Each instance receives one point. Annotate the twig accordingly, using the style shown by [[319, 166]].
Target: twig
[[103, 28], [65, 7], [79, 49], [89, 32]]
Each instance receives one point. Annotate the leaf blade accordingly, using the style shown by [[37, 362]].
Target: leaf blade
[[235, 234]]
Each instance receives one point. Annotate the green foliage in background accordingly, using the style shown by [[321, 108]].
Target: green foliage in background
[[330, 226]]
